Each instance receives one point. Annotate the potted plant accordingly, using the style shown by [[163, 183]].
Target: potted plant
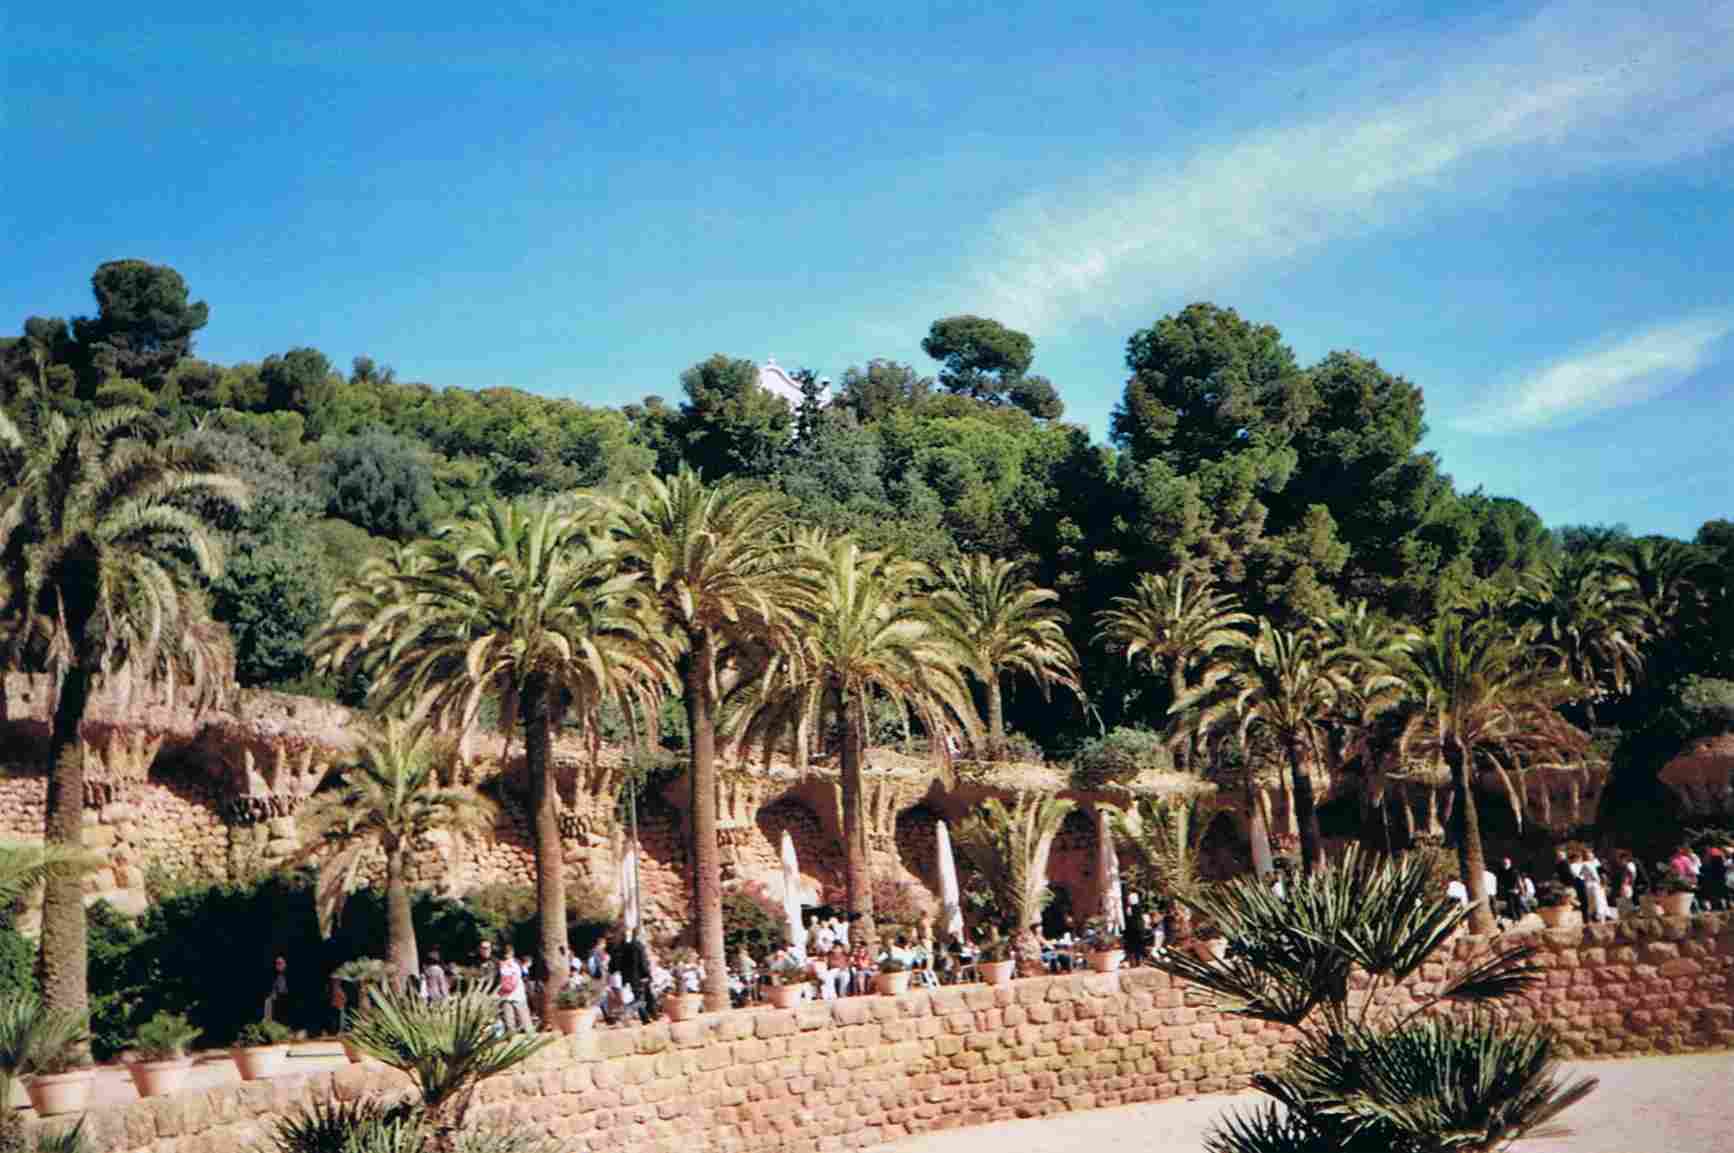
[[994, 962], [893, 978], [573, 1008], [160, 1048], [1677, 895], [260, 1050], [1105, 951], [55, 1058], [1208, 943], [681, 1005], [1553, 904], [788, 979], [365, 973]]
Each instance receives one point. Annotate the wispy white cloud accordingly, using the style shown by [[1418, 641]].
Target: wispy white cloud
[[1623, 371], [1574, 88]]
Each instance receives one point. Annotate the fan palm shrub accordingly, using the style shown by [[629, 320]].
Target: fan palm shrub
[[102, 554], [390, 797], [1441, 1069], [1009, 847], [1000, 622], [446, 1049]]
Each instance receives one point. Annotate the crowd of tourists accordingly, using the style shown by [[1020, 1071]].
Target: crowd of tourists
[[627, 979]]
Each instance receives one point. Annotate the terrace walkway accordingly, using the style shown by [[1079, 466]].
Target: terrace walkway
[[1677, 1104]]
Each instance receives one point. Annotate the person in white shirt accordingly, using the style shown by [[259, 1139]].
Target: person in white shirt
[[514, 1001], [1457, 891], [823, 939], [1490, 888]]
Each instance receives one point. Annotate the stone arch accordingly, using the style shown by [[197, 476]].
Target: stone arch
[[917, 842], [1224, 849], [818, 854]]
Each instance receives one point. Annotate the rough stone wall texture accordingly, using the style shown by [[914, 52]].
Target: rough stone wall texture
[[844, 1074]]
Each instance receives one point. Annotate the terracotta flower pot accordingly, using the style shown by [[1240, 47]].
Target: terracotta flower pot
[[1106, 961], [682, 1006], [570, 1021], [892, 984], [158, 1078], [1558, 916], [785, 996], [997, 972], [55, 1093], [356, 1056], [260, 1062], [1676, 904]]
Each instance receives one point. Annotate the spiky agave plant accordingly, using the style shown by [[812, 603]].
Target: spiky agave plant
[[1373, 1071]]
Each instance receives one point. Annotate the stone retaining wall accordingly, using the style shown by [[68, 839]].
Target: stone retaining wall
[[843, 1074]]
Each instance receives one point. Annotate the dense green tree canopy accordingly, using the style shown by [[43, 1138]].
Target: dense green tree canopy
[[144, 322], [1296, 489]]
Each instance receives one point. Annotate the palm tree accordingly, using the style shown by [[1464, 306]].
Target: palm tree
[[1166, 831], [1371, 647], [1009, 847], [100, 558], [390, 796], [1588, 612], [1294, 689], [523, 605], [1172, 623], [24, 866], [1477, 700], [721, 575], [1001, 622], [866, 632]]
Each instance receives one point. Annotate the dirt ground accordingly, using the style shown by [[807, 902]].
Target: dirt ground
[[1644, 1105]]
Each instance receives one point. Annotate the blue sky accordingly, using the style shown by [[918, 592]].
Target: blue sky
[[1527, 210]]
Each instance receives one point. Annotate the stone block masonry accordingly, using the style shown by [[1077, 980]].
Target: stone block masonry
[[857, 1072]]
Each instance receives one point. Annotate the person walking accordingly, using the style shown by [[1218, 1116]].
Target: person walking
[[435, 985], [514, 999], [632, 963], [277, 993], [1508, 894]]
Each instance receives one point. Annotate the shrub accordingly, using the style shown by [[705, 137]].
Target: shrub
[[579, 996], [1553, 895], [380, 482], [1118, 756], [164, 1037], [262, 1033], [17, 960], [899, 902], [893, 965], [753, 920]]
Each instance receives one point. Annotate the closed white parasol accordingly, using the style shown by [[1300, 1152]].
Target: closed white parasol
[[951, 908], [792, 895]]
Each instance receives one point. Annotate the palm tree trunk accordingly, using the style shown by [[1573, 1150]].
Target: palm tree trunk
[[545, 813], [64, 959], [995, 718], [1470, 856], [400, 924], [1306, 808], [1176, 690], [858, 879], [1258, 836], [706, 857]]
